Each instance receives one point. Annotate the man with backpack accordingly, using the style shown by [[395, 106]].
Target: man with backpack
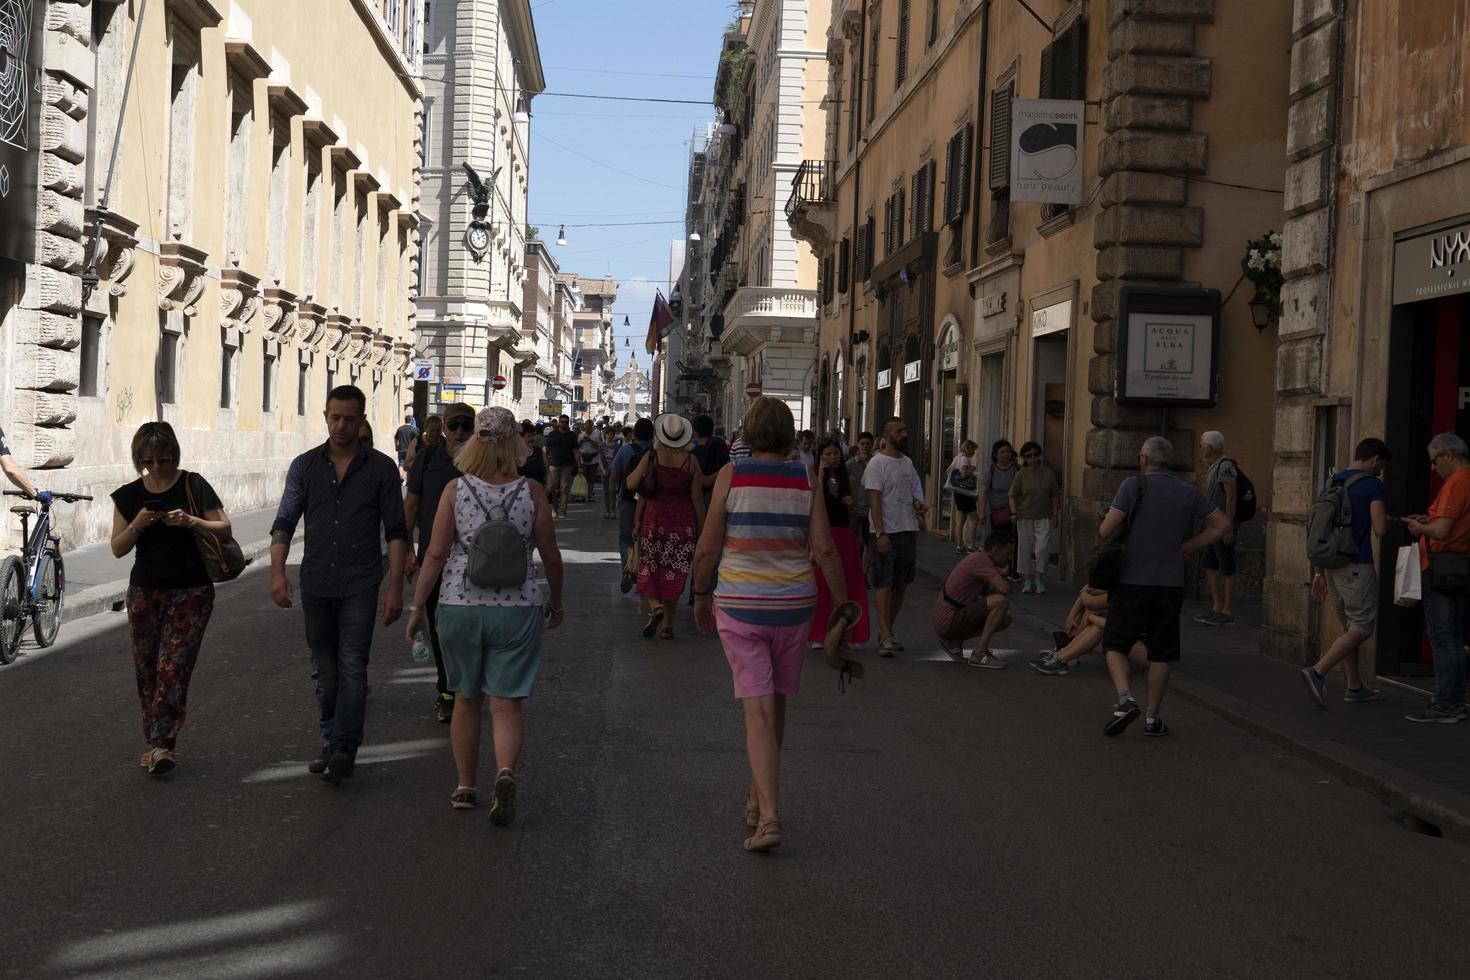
[[625, 462], [1341, 524], [1222, 488]]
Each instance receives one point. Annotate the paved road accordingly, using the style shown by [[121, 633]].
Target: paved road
[[940, 822]]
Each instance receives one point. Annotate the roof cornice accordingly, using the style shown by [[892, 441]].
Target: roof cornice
[[524, 48]]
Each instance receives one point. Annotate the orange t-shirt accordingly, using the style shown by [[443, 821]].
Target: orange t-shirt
[[1452, 501]]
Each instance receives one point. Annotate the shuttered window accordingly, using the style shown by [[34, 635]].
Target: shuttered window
[[875, 21], [1064, 63], [933, 22], [1000, 136], [844, 257], [921, 193], [957, 175], [870, 233], [901, 60]]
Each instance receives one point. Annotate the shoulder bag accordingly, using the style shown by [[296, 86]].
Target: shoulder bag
[[1105, 565], [223, 560]]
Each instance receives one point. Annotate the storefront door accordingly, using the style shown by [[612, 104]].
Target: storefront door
[[1429, 393]]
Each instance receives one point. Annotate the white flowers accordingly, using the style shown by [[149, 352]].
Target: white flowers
[[1267, 256]]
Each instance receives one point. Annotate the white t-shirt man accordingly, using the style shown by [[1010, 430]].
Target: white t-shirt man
[[896, 479]]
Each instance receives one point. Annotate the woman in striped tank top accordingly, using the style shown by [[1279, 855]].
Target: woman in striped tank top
[[771, 527]]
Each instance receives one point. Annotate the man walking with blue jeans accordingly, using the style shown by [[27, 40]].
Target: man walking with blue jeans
[[349, 495]]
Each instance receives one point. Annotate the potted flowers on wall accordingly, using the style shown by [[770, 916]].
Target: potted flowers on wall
[[1262, 266]]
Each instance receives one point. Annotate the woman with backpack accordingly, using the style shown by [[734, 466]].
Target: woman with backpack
[[490, 617], [666, 522], [961, 480], [170, 595]]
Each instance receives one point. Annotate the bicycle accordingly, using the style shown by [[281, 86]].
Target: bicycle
[[33, 585]]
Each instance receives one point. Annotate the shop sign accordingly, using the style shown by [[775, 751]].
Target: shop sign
[[549, 407], [885, 379], [1046, 151], [993, 305], [1432, 265], [1169, 339], [911, 371], [949, 356], [22, 44], [1051, 319]]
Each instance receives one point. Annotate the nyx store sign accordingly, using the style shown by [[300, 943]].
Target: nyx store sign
[[1427, 266]]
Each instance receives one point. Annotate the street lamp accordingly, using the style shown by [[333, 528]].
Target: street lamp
[[1260, 305], [561, 236], [694, 236], [626, 322]]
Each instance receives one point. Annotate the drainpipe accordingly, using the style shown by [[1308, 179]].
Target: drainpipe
[[94, 249], [857, 184], [979, 140]]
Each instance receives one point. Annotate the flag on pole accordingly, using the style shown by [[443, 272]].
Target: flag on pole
[[660, 323]]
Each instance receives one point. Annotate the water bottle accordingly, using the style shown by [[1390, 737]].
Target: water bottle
[[420, 647]]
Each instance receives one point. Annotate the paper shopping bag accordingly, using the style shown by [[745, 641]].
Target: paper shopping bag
[[1407, 582]]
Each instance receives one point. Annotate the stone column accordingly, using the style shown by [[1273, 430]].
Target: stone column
[[1144, 224], [1306, 259]]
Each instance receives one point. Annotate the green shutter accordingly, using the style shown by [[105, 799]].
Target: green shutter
[[1000, 137]]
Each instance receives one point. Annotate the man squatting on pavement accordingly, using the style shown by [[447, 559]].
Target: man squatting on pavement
[[348, 494], [974, 602]]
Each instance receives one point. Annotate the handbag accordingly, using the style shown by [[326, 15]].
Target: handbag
[[1105, 564], [1449, 573], [1000, 517], [223, 560], [1407, 584], [964, 484]]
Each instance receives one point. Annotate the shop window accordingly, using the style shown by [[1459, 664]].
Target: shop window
[[90, 381]]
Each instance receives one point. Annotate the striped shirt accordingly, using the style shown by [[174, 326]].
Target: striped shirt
[[766, 570]]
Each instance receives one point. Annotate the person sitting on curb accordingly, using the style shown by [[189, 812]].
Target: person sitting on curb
[[975, 602], [1084, 631]]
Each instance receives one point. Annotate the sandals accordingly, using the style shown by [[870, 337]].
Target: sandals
[[651, 627], [666, 633], [503, 803], [463, 798], [752, 813], [158, 761], [766, 837]]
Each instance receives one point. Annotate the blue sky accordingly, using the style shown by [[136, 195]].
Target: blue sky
[[659, 48]]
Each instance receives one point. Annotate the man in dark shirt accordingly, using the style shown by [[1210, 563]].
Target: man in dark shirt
[[561, 463], [349, 495], [431, 473], [403, 438]]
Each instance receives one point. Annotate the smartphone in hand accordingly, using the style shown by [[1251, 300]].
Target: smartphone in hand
[[159, 506]]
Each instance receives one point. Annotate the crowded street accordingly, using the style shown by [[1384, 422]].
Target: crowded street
[[940, 821]]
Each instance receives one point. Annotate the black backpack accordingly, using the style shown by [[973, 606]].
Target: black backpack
[[1245, 494], [629, 496]]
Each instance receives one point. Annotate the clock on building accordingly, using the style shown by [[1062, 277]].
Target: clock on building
[[477, 239]]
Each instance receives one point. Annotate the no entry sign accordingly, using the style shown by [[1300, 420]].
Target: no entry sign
[[498, 382], [753, 390]]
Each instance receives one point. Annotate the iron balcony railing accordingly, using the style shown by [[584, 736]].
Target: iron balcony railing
[[812, 185]]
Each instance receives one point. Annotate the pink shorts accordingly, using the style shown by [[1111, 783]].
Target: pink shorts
[[763, 659]]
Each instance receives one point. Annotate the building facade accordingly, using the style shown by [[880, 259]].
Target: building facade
[[1376, 300], [595, 359], [482, 67], [970, 312], [539, 312], [255, 244]]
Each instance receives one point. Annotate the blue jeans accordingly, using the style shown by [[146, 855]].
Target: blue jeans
[[626, 511], [1445, 617], [339, 633]]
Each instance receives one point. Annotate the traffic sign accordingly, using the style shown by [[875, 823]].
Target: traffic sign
[[498, 382], [753, 390], [448, 387], [425, 369]]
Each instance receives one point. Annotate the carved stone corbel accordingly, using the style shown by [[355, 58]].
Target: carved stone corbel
[[119, 249], [403, 353], [360, 343], [239, 298], [339, 333], [180, 277], [278, 317], [311, 328], [382, 351]]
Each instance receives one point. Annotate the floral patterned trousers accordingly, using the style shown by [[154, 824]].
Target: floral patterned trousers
[[168, 629]]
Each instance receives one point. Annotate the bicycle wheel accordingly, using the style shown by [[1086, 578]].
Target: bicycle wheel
[[50, 591], [12, 607]]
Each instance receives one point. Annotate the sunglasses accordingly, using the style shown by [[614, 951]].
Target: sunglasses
[[460, 425], [1031, 455]]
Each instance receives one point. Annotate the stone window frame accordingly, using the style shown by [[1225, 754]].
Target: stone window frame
[[185, 57], [109, 52], [316, 140], [278, 194], [241, 119], [270, 377]]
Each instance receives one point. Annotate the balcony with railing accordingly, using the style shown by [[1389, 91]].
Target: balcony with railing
[[812, 207], [757, 315]]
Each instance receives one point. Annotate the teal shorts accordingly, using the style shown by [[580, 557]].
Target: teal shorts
[[493, 650]]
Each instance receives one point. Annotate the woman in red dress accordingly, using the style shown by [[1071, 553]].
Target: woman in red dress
[[667, 521], [837, 492]]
